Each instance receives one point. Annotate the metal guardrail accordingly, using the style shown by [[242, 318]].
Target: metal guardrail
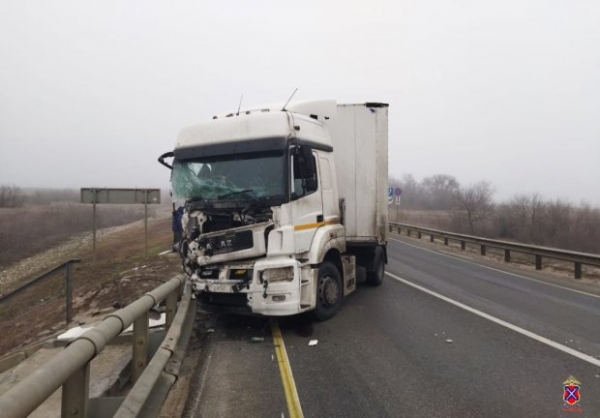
[[71, 367], [68, 286], [578, 259]]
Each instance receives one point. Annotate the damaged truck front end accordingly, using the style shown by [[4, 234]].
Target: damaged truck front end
[[228, 204]]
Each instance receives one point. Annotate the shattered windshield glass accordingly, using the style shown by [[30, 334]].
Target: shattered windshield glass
[[231, 177]]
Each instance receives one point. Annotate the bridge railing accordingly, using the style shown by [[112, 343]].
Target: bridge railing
[[577, 258], [71, 367]]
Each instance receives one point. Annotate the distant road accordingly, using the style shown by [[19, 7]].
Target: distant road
[[442, 337]]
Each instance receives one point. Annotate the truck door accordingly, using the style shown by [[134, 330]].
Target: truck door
[[307, 204]]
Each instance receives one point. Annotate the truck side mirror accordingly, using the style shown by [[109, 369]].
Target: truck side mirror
[[161, 159]]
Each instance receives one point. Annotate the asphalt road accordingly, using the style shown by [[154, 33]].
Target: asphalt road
[[442, 337]]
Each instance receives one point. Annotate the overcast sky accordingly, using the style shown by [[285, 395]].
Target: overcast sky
[[91, 93]]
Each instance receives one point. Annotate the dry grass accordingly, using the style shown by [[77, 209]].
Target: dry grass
[[29, 230], [553, 224], [435, 219], [119, 275]]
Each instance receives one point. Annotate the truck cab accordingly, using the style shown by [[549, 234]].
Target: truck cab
[[262, 220]]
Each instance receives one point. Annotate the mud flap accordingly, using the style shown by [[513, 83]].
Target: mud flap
[[349, 274]]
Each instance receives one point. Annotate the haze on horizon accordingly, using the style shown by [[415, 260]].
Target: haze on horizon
[[91, 93]]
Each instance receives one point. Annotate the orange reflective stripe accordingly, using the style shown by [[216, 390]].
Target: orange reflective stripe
[[315, 225]]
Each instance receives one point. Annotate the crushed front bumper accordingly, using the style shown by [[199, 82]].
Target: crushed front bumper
[[269, 287]]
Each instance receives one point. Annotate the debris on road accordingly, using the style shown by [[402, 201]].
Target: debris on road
[[73, 333], [313, 343], [152, 323], [139, 268], [257, 339]]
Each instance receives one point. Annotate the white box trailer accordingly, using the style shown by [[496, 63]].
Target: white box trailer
[[359, 134], [283, 210]]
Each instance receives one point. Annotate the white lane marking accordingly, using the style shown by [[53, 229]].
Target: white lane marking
[[498, 321], [202, 384], [498, 270]]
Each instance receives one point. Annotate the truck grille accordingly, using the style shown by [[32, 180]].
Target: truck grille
[[227, 243]]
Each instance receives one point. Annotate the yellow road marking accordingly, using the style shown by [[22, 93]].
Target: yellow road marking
[[289, 386]]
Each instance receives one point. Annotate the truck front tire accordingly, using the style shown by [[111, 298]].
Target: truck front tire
[[329, 292], [375, 277]]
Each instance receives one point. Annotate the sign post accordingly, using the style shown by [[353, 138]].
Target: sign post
[[398, 193], [94, 222], [146, 222], [120, 196]]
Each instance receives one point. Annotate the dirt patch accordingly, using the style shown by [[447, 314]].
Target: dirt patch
[[30, 230], [118, 274]]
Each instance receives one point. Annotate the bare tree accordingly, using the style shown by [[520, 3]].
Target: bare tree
[[475, 202], [521, 218], [557, 223], [525, 218], [440, 190], [11, 197], [586, 229]]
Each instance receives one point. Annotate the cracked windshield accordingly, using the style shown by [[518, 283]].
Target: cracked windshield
[[233, 177]]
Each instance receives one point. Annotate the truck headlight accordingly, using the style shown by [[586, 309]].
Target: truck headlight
[[280, 274]]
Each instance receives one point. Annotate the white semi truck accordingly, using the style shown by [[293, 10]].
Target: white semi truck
[[283, 210]]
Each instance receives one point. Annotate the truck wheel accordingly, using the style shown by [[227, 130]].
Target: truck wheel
[[329, 292], [375, 277]]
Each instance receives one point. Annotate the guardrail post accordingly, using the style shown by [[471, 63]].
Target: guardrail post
[[408, 232], [171, 308], [538, 262], [463, 245], [507, 256], [95, 192], [483, 250], [75, 393], [419, 234], [577, 270], [431, 237], [445, 241], [140, 346], [146, 221]]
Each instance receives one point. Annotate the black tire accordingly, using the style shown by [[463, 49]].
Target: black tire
[[329, 292], [375, 277]]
